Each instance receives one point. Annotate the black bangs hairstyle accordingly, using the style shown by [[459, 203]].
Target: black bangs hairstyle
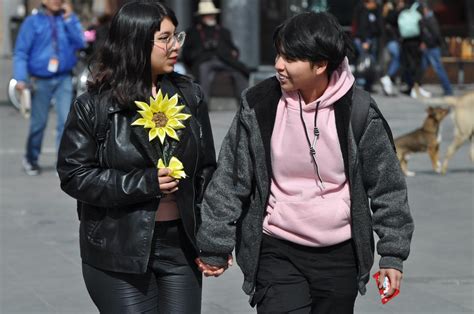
[[313, 37], [123, 64]]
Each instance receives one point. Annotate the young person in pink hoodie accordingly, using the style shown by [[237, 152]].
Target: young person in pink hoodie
[[292, 188]]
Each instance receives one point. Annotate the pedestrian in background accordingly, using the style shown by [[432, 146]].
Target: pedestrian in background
[[432, 42], [368, 24], [409, 21], [44, 56], [209, 49], [390, 12], [291, 192], [139, 173]]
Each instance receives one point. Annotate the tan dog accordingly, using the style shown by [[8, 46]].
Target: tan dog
[[424, 139], [463, 117]]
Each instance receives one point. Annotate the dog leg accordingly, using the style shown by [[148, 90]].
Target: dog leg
[[404, 166], [459, 139], [433, 152], [410, 173]]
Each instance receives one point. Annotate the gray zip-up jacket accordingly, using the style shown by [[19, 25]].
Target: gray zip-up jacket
[[235, 201]]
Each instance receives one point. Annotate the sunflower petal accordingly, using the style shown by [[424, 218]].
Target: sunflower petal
[[175, 164], [154, 104], [161, 134], [178, 174], [181, 116], [175, 124], [140, 121], [173, 110], [160, 164], [159, 96], [149, 124], [142, 105], [147, 114], [173, 101], [171, 133], [152, 134]]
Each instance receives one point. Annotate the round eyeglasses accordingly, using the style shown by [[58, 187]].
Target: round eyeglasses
[[170, 40]]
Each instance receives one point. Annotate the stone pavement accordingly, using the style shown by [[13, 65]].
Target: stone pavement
[[39, 255]]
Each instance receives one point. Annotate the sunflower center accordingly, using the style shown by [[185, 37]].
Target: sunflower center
[[160, 119]]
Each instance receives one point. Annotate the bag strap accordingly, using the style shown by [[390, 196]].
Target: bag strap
[[360, 110]]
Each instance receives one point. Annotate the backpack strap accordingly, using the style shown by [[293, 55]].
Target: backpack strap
[[360, 110]]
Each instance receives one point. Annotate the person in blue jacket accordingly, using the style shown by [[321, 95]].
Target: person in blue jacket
[[44, 56]]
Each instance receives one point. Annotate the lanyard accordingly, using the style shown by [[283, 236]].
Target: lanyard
[[54, 34]]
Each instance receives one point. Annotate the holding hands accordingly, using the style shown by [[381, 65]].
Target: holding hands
[[211, 270]]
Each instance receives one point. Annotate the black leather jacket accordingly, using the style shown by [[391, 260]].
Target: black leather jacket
[[116, 184]]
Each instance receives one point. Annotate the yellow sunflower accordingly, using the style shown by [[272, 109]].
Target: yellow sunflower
[[163, 116], [177, 168]]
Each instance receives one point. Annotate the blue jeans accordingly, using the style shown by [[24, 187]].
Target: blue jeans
[[393, 48], [432, 56], [44, 90]]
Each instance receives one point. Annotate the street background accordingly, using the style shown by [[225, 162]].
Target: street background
[[40, 270]]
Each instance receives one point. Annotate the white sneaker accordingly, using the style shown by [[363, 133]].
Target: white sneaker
[[424, 92], [29, 168], [387, 85], [413, 93]]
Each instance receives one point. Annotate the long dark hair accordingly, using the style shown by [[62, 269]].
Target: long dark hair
[[123, 63], [313, 37]]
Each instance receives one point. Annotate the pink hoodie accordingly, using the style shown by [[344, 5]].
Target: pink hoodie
[[299, 209]]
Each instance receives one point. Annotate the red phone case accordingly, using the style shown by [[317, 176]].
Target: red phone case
[[386, 287]]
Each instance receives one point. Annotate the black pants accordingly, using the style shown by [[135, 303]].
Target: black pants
[[411, 61], [293, 278], [172, 283]]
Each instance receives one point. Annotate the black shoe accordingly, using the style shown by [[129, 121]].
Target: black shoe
[[30, 169]]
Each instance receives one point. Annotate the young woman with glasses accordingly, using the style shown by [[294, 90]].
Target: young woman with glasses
[[138, 218]]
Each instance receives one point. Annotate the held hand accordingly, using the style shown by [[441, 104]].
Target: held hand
[[211, 270], [394, 277], [366, 46], [168, 184]]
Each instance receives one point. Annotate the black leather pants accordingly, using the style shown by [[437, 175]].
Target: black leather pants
[[172, 283]]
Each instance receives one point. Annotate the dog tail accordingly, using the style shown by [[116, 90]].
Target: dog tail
[[446, 100]]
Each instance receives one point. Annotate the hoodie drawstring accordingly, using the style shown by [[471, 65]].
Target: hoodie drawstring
[[312, 146]]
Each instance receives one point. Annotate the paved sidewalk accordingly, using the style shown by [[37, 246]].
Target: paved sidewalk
[[39, 256]]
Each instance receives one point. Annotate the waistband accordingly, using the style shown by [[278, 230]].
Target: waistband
[[167, 224], [322, 249]]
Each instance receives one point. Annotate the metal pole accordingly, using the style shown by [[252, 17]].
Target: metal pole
[[182, 9], [242, 18]]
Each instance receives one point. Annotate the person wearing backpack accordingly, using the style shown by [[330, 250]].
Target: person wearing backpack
[[432, 41], [137, 153], [302, 157], [368, 32], [409, 21]]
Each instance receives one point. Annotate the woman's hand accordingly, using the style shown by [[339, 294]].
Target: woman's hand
[[168, 184]]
